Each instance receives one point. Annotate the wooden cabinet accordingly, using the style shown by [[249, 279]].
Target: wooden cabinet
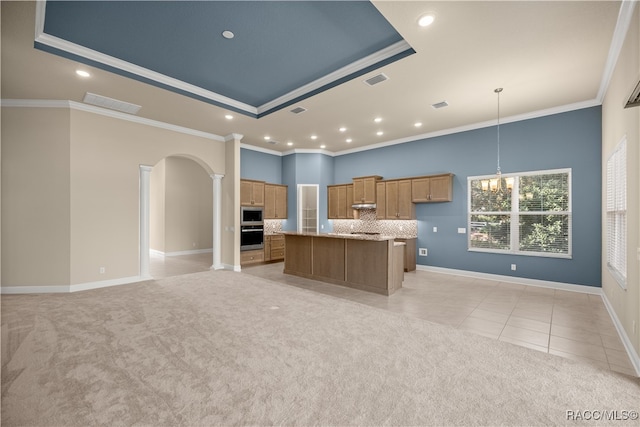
[[435, 188], [339, 201], [251, 193], [364, 189], [274, 247], [275, 201], [251, 257], [409, 253], [394, 200]]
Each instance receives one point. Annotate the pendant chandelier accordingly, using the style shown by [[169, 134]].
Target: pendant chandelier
[[495, 184]]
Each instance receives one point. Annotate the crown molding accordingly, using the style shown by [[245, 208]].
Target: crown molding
[[327, 81], [53, 103], [110, 61], [355, 67], [233, 137], [625, 15], [480, 125], [261, 149]]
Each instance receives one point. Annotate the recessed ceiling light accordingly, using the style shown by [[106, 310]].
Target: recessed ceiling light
[[349, 140], [379, 133], [343, 129], [377, 119], [228, 117], [266, 138], [228, 34], [323, 146], [83, 73], [314, 136], [417, 124], [289, 143], [426, 20]]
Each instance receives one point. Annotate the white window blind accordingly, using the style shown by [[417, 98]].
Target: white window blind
[[617, 213], [529, 215]]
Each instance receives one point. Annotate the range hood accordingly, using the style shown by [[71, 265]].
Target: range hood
[[363, 206]]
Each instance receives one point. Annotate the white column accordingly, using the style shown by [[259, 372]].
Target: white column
[[217, 221], [145, 171]]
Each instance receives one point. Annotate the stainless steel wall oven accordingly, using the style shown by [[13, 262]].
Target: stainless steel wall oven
[[251, 228]]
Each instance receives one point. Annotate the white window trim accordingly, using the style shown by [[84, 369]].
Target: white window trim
[[515, 230], [619, 276]]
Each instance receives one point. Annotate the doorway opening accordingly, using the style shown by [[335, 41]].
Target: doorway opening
[[308, 203]]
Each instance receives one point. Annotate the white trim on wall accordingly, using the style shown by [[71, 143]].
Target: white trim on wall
[[593, 290], [626, 341], [625, 14], [53, 103], [71, 288], [443, 132]]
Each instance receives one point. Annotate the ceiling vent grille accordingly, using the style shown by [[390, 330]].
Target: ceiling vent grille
[[378, 78], [298, 110], [440, 104], [110, 103], [272, 142], [634, 99]]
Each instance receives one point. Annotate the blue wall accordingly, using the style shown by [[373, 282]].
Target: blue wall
[[567, 140], [260, 166]]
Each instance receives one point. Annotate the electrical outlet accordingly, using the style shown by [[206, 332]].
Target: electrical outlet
[[462, 230], [513, 267], [435, 229], [103, 270], [422, 251]]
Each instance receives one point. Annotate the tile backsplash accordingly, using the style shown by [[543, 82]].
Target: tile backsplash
[[369, 224], [272, 226]]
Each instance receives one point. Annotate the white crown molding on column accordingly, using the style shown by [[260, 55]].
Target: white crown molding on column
[[233, 136]]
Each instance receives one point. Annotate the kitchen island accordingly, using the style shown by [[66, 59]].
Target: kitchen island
[[370, 263]]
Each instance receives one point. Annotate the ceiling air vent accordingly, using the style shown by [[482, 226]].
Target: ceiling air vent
[[440, 104], [298, 110], [634, 99], [110, 103], [378, 78], [272, 142]]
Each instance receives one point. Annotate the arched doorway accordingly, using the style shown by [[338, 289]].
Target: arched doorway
[[177, 217]]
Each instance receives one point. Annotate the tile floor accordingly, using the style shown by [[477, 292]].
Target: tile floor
[[568, 324]]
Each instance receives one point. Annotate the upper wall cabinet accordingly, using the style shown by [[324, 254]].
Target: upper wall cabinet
[[275, 201], [394, 200], [434, 188], [251, 193], [364, 189], [339, 201]]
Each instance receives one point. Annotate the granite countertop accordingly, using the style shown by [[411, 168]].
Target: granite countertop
[[373, 237]]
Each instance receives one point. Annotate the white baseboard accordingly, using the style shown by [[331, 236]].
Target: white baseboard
[[179, 253], [631, 351], [7, 290], [518, 280]]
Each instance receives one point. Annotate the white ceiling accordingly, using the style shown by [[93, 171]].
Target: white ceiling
[[549, 56]]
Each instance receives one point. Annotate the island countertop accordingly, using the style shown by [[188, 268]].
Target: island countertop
[[368, 262], [354, 236]]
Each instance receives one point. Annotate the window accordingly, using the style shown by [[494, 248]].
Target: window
[[616, 215], [529, 213]]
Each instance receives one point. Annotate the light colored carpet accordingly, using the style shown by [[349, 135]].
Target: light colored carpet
[[224, 348]]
